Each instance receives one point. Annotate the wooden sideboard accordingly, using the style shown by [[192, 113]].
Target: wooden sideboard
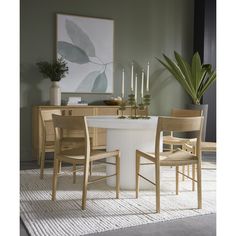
[[98, 135]]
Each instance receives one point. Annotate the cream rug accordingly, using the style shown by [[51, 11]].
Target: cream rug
[[104, 212]]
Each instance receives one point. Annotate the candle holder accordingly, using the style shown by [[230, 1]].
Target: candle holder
[[146, 103], [122, 108], [132, 103], [141, 108], [134, 108]]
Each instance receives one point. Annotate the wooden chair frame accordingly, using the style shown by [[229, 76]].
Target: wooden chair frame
[[173, 140], [181, 124], [46, 116], [80, 156]]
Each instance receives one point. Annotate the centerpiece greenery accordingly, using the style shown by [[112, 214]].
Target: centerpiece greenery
[[54, 71], [195, 78]]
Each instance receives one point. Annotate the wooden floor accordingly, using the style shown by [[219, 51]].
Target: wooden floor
[[191, 226]]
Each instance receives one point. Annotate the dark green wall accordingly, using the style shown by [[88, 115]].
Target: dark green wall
[[143, 29]]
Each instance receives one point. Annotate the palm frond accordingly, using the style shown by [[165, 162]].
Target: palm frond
[[211, 79], [195, 78], [177, 73]]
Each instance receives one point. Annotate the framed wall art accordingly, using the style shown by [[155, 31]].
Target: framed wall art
[[86, 44]]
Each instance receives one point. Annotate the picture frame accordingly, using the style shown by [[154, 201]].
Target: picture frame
[[86, 44]]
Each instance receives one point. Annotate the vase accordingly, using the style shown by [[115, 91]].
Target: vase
[[55, 94], [204, 108]]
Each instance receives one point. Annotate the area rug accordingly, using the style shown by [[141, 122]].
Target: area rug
[[104, 212]]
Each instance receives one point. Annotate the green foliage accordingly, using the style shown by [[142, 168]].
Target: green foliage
[[195, 78], [54, 71]]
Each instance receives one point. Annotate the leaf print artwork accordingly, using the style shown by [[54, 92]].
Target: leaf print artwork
[[72, 53], [87, 83], [80, 38], [87, 45], [100, 83]]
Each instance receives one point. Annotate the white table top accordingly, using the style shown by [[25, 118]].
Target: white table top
[[113, 122]]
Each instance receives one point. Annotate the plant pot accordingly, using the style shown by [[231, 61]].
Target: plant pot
[[204, 108], [55, 94]]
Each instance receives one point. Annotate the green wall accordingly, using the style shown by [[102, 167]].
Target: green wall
[[144, 29]]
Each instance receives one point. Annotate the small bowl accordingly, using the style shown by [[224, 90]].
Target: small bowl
[[112, 102]]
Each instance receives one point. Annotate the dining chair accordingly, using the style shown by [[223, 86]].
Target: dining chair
[[46, 144], [82, 156], [172, 140], [48, 140], [205, 146], [177, 157]]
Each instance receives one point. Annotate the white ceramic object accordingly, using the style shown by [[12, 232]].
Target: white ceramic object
[[127, 135], [55, 94]]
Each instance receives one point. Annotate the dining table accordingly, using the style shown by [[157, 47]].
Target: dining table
[[128, 135]]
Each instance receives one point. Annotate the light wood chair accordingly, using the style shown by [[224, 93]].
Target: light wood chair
[[46, 145], [171, 139], [174, 141], [205, 146], [178, 157], [80, 155], [48, 140]]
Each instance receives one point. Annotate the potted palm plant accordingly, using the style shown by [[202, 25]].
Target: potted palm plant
[[195, 78], [55, 72]]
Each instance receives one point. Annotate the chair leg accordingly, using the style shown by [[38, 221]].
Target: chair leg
[[188, 169], [39, 158], [85, 184], [158, 202], [90, 168], [193, 177], [177, 179], [171, 149], [42, 161], [74, 173], [199, 186], [117, 176], [59, 167], [137, 173], [183, 170], [54, 179]]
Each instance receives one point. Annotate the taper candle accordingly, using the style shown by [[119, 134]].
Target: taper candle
[[142, 84], [147, 88], [122, 85], [132, 77], [136, 87]]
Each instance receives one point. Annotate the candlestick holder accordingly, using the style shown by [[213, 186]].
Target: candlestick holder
[[122, 108], [141, 108], [134, 108], [132, 103], [146, 103]]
